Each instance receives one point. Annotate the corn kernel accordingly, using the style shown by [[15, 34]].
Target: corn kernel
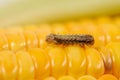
[[107, 59], [8, 65], [3, 42], [66, 78], [50, 78], [41, 63], [59, 29], [115, 49], [77, 61], [16, 40], [58, 61], [25, 65], [107, 77], [95, 63], [87, 77], [31, 39], [41, 33]]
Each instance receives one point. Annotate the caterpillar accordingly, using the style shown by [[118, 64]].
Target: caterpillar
[[73, 60], [80, 39]]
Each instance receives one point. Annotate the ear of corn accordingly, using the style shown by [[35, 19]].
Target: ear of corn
[[25, 54]]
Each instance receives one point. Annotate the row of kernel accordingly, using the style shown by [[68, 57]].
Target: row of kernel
[[85, 77], [104, 31], [58, 61]]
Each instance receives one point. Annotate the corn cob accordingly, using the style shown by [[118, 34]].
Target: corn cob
[[41, 60], [58, 61]]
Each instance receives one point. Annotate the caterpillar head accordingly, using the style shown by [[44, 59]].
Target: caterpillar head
[[51, 38], [90, 40]]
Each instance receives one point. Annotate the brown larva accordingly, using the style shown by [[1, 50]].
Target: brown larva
[[80, 39]]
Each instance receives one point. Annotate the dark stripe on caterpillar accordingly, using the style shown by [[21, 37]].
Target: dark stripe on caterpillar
[[80, 39]]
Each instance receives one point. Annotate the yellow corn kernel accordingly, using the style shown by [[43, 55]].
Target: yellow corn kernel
[[29, 27], [25, 65], [16, 40], [104, 19], [59, 29], [66, 78], [77, 61], [87, 27], [8, 65], [41, 33], [95, 63], [74, 28], [117, 21], [31, 39], [90, 28], [115, 52], [107, 77], [58, 61], [50, 78], [87, 77], [110, 30], [41, 63], [3, 42], [107, 59], [112, 33], [1, 72], [43, 30]]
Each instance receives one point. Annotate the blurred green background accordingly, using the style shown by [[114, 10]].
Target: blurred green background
[[20, 12]]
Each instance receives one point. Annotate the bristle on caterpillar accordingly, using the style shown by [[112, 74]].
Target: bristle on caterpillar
[[80, 39]]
